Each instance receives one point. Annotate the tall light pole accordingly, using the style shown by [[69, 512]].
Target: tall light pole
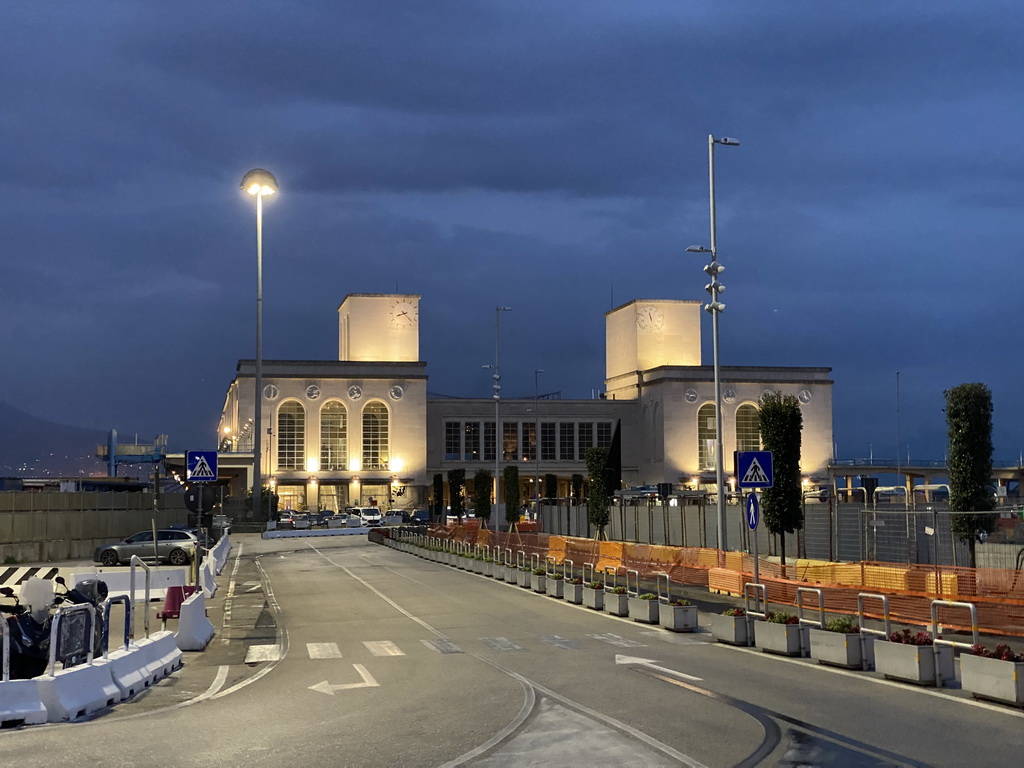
[[496, 376], [536, 436], [715, 307], [258, 183]]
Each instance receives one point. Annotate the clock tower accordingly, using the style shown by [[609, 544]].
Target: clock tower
[[379, 327], [648, 333]]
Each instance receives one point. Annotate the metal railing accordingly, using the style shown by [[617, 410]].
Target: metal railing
[[820, 622]]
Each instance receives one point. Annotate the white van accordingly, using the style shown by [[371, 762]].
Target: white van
[[370, 516]]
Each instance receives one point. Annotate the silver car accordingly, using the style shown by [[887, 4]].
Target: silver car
[[174, 547]]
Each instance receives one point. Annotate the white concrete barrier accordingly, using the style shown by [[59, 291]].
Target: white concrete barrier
[[194, 629], [129, 669], [119, 582], [162, 655], [207, 577], [21, 703], [314, 532], [76, 692], [221, 551]]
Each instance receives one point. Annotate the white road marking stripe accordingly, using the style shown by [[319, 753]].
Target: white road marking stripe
[[323, 650], [257, 653], [383, 648], [442, 646], [500, 644], [617, 640]]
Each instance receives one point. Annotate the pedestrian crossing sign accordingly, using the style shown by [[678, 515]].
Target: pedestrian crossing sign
[[754, 469], [201, 466]]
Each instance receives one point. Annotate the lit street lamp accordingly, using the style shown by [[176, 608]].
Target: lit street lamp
[[258, 183], [715, 307], [536, 438], [496, 376]]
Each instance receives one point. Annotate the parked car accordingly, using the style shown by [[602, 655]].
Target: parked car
[[300, 522], [285, 521], [172, 546], [370, 516]]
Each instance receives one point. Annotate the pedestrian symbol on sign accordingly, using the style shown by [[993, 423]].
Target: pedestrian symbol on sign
[[754, 475]]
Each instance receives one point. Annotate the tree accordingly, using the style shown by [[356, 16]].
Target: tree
[[577, 487], [550, 488], [780, 422], [969, 418], [482, 494], [268, 500], [456, 482], [512, 498], [598, 500], [437, 513]]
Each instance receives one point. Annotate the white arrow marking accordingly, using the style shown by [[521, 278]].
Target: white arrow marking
[[620, 659], [368, 682]]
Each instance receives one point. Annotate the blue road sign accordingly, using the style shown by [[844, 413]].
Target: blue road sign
[[754, 469], [753, 511], [201, 466]]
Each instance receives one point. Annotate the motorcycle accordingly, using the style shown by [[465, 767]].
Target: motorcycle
[[30, 628]]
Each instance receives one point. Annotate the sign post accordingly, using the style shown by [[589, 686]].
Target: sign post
[[200, 467], [753, 510], [754, 470]]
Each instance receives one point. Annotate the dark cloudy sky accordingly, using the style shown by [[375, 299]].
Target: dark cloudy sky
[[547, 155]]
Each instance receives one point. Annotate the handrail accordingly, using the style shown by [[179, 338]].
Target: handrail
[[90, 634], [820, 623], [585, 579], [534, 561], [107, 604], [136, 560], [549, 565], [614, 571], [520, 559], [668, 588], [885, 614], [760, 596], [572, 566], [953, 604], [508, 558], [636, 582]]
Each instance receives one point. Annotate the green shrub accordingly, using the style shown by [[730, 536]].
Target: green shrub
[[618, 590], [647, 596], [843, 624]]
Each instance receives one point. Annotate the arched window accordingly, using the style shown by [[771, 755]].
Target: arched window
[[748, 430], [291, 436], [333, 436], [376, 446], [706, 433]]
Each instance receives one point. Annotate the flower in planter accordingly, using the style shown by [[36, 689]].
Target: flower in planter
[[539, 572], [1002, 652], [618, 590], [781, 618], [909, 638], [576, 581], [684, 602], [556, 577], [647, 596], [734, 612], [595, 585], [844, 625]]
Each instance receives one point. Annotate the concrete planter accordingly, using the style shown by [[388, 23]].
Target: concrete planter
[[913, 663], [537, 582], [556, 588], [523, 579], [837, 649], [993, 679], [511, 574], [593, 598], [784, 639], [573, 594], [731, 630], [678, 618], [643, 610], [616, 605]]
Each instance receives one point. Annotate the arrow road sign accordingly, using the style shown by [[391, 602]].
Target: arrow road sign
[[368, 682], [753, 511], [201, 466], [754, 469]]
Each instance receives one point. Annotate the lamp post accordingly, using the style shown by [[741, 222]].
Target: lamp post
[[496, 376], [258, 183], [536, 436], [715, 308]]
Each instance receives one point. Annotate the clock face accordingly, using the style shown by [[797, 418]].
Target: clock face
[[396, 392], [649, 318], [729, 395], [804, 395], [404, 314], [355, 392], [690, 395], [312, 391], [270, 392]]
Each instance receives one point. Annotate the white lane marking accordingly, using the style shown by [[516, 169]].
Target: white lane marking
[[227, 601], [257, 653], [326, 687], [323, 650], [650, 663], [383, 648], [500, 644], [216, 685], [442, 646], [617, 640]]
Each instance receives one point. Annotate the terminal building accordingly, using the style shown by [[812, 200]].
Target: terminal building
[[361, 430]]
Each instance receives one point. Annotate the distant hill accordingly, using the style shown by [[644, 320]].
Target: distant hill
[[34, 447]]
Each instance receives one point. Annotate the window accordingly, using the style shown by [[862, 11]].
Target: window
[[604, 434], [488, 441], [509, 440], [567, 441], [748, 431], [529, 441], [452, 447], [376, 445], [547, 441], [291, 436], [586, 433], [706, 431], [472, 443], [333, 436]]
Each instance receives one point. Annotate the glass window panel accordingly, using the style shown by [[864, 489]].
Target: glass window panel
[[748, 430], [333, 436], [472, 441], [547, 441], [706, 431], [488, 441], [509, 441], [291, 436], [452, 435], [567, 441], [376, 443], [529, 441]]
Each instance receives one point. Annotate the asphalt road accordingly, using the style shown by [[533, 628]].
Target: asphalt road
[[339, 652]]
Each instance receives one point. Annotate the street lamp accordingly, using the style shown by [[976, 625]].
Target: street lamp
[[715, 307], [496, 386], [536, 437], [258, 183]]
